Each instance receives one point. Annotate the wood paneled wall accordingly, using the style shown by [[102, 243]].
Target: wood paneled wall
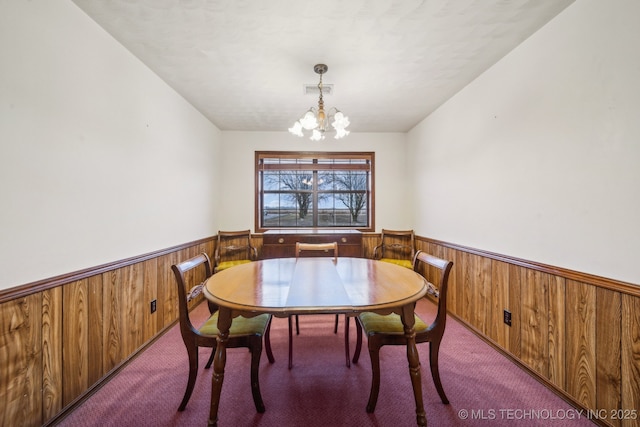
[[58, 343], [577, 333]]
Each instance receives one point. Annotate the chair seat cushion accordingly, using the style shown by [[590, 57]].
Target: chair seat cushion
[[374, 323], [239, 325], [402, 262], [228, 264]]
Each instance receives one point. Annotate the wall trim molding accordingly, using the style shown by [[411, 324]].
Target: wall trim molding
[[603, 282], [21, 291]]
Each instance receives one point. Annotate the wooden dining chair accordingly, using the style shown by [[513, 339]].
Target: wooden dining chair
[[397, 247], [244, 332], [384, 330], [233, 248], [318, 249]]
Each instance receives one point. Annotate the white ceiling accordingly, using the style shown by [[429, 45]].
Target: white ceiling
[[244, 63]]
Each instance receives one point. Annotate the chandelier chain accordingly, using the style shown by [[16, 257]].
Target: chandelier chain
[[320, 100]]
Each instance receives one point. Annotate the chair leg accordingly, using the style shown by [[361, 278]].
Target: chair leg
[[267, 343], [256, 352], [356, 354], [192, 351], [290, 342], [346, 339], [335, 328], [434, 349], [374, 353], [297, 326], [210, 361]]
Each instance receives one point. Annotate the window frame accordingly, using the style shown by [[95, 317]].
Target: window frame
[[260, 167]]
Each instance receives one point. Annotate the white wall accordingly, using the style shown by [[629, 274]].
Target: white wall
[[99, 159], [238, 172], [539, 157]]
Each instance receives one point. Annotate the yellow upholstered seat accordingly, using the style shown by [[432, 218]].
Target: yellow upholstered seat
[[373, 323], [228, 264], [239, 325], [401, 262]]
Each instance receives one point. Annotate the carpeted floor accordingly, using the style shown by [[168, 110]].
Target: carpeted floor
[[484, 387]]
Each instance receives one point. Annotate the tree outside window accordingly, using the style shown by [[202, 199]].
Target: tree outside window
[[323, 190]]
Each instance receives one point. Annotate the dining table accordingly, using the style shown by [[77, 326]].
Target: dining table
[[284, 287]]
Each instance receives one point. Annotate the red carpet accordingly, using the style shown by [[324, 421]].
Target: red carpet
[[484, 387]]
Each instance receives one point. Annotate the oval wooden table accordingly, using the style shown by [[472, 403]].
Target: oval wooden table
[[289, 286]]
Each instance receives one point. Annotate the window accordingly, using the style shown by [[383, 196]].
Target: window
[[314, 190]]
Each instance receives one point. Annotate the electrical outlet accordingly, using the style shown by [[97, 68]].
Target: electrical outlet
[[153, 306], [507, 317]]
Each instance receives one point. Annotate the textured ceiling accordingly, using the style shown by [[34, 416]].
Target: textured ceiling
[[244, 63]]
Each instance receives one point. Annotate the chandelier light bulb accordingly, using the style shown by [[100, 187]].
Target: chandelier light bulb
[[341, 133], [296, 129], [316, 135], [340, 121], [309, 120]]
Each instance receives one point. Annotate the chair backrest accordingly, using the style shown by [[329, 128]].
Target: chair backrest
[[190, 284], [396, 244], [438, 270], [317, 247], [234, 245]]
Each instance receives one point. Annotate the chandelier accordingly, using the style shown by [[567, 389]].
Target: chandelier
[[317, 120]]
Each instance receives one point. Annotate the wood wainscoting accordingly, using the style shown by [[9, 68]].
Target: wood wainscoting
[[577, 333], [61, 338]]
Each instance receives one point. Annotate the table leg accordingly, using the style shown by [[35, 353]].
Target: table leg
[[408, 322], [219, 361], [346, 340]]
